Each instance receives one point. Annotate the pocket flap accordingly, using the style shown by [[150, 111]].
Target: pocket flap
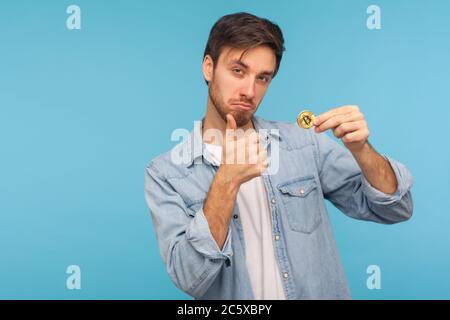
[[299, 187]]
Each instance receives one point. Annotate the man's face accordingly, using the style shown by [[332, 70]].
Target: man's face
[[238, 84]]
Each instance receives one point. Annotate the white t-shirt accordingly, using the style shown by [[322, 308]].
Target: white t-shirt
[[256, 222]]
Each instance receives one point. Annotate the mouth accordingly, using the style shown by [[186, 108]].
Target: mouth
[[242, 106]]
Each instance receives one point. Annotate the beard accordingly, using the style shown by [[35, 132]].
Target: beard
[[241, 117]]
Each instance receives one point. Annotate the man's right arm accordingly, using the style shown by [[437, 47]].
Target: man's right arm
[[219, 204], [194, 247], [190, 253]]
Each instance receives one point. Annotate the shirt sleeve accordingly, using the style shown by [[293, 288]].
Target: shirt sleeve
[[192, 257], [344, 184], [404, 183], [199, 236]]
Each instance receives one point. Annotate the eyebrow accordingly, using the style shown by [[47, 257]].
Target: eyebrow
[[239, 62]]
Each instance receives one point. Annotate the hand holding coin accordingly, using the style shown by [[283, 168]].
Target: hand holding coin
[[347, 123]]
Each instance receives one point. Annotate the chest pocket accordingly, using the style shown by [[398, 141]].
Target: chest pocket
[[300, 198]]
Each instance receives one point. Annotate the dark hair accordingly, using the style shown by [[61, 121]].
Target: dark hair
[[244, 31]]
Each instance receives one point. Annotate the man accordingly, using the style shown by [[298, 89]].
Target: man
[[228, 230]]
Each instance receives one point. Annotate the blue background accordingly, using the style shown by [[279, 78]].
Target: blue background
[[83, 111]]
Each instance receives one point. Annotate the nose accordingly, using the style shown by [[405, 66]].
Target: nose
[[248, 89]]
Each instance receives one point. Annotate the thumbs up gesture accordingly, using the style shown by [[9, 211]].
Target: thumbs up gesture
[[243, 158]]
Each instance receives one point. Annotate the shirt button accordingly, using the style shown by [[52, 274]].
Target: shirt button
[[277, 237], [302, 191], [274, 201], [235, 216], [285, 275]]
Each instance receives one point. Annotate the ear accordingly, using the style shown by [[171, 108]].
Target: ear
[[208, 68]]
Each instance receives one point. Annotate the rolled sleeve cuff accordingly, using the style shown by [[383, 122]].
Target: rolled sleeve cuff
[[404, 184], [199, 236]]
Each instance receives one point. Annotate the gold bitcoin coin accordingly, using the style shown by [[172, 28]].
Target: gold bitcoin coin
[[305, 119]]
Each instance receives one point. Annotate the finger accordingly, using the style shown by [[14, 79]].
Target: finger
[[231, 123], [230, 131], [258, 169], [263, 167], [251, 132], [356, 136], [257, 155], [252, 145], [239, 132], [253, 150], [263, 155], [252, 137], [337, 120], [347, 127], [253, 155], [333, 112]]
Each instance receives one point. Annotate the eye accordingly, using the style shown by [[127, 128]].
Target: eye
[[237, 70], [264, 78]]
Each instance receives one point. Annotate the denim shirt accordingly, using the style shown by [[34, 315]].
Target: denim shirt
[[312, 167]]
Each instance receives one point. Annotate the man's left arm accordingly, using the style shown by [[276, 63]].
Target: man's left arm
[[384, 181], [349, 125]]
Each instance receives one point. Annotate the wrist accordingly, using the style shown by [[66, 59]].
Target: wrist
[[229, 182], [361, 151]]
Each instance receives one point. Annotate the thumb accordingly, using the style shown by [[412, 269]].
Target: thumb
[[231, 123]]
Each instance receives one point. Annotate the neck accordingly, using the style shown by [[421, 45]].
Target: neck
[[213, 120]]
